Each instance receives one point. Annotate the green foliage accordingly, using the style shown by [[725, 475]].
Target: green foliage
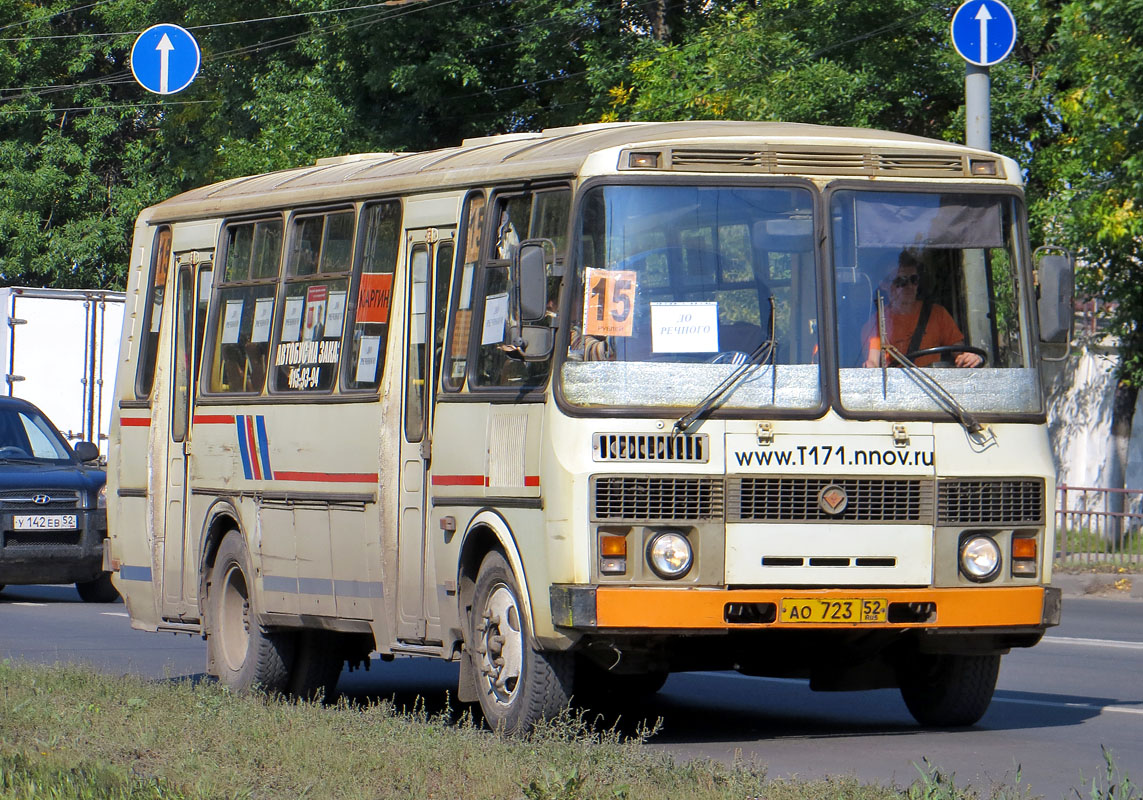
[[24, 778], [1113, 784]]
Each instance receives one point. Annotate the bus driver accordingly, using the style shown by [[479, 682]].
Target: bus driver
[[912, 324]]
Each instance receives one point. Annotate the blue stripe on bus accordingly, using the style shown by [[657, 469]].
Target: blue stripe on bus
[[263, 447], [247, 470], [322, 586], [129, 573]]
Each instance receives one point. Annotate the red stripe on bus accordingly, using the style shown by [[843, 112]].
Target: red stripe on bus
[[135, 422], [327, 477], [213, 419], [459, 480]]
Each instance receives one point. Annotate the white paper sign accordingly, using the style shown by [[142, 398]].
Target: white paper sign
[[335, 315], [263, 316], [367, 359], [232, 323], [495, 318], [292, 319], [684, 327]]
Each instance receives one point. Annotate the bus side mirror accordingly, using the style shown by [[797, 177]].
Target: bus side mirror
[[1054, 302], [531, 340]]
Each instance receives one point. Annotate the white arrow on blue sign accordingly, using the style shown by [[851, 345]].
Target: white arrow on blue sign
[[165, 59], [983, 32]]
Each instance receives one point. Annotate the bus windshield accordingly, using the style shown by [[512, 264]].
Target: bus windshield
[[701, 275], [932, 276]]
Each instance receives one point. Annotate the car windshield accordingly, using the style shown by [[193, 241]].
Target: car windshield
[[26, 435], [676, 287], [932, 277]]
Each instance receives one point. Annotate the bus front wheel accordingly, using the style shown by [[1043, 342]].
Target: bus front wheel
[[949, 690], [516, 684], [240, 652]]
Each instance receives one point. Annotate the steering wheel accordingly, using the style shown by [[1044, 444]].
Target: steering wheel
[[948, 349], [11, 451]]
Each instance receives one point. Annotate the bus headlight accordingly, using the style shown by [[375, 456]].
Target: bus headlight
[[979, 558], [669, 554]]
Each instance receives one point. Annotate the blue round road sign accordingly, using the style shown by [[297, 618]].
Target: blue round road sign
[[165, 59], [983, 32]]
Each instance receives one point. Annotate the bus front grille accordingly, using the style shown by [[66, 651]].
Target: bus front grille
[[635, 499], [991, 501], [876, 500]]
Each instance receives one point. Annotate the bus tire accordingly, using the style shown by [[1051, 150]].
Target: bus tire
[[240, 652], [317, 666], [949, 690], [516, 684], [97, 590]]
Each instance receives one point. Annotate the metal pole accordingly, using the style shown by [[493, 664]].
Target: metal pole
[[977, 108]]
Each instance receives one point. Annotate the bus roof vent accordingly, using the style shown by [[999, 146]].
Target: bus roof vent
[[656, 447], [353, 158], [827, 161]]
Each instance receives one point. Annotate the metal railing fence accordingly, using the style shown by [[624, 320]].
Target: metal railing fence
[[1099, 527]]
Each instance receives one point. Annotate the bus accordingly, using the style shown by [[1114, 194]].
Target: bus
[[582, 407]]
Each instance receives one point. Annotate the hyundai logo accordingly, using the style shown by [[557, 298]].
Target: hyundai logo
[[41, 499]]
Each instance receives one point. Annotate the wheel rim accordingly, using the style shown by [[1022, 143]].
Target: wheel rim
[[501, 644], [234, 618]]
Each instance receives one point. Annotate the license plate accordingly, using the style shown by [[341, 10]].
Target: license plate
[[44, 522], [839, 610]]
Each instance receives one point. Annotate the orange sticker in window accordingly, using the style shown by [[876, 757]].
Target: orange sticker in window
[[609, 302], [373, 297]]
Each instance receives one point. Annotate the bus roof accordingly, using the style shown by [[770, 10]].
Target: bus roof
[[705, 146]]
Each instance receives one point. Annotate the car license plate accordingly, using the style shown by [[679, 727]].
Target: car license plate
[[839, 610], [44, 522]]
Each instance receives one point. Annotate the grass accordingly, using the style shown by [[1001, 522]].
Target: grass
[[68, 733], [1087, 548]]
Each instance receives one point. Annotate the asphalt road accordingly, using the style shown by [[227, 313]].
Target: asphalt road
[[1056, 704]]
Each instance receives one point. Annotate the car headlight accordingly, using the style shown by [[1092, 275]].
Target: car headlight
[[669, 554], [979, 558]]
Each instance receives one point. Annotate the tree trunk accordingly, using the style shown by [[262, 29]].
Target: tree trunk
[[1122, 415]]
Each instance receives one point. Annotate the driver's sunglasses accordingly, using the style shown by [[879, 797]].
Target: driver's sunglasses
[[906, 280]]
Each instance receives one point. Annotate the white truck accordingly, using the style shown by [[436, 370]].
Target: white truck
[[59, 349]]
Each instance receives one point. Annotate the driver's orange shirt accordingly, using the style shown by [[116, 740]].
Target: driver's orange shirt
[[941, 330]]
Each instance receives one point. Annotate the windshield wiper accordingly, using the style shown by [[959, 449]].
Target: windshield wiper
[[923, 379], [760, 355]]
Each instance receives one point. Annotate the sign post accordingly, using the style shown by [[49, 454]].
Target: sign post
[[983, 34], [165, 59]]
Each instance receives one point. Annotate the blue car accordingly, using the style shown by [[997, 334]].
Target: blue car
[[53, 516]]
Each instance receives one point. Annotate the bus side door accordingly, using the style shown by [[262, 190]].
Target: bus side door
[[429, 265], [192, 288]]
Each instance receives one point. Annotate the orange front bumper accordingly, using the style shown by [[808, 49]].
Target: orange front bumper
[[654, 608]]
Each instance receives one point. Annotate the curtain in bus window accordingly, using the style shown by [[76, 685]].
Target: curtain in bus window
[[891, 219], [456, 356], [365, 346]]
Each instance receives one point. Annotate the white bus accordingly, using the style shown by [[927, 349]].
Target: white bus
[[583, 407]]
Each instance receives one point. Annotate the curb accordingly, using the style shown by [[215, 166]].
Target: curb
[[1121, 586]]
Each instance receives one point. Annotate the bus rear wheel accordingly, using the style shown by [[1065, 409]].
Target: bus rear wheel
[[240, 652], [948, 690], [516, 684]]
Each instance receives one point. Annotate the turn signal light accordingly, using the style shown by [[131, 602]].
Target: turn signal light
[[1024, 556], [612, 554]]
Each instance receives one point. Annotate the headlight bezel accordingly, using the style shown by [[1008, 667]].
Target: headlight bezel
[[973, 547]]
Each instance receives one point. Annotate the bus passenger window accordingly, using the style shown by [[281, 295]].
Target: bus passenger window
[[244, 307], [312, 320], [153, 313], [456, 357], [365, 346]]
